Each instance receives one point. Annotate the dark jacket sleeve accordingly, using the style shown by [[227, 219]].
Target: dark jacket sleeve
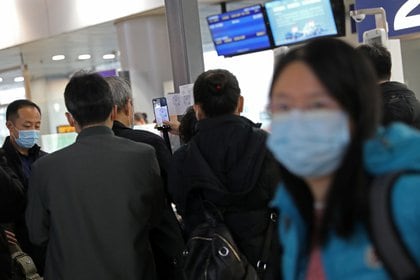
[[36, 214], [176, 180], [5, 260], [164, 158], [166, 239], [12, 197], [167, 244]]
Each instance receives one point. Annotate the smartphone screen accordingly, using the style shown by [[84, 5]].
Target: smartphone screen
[[160, 108]]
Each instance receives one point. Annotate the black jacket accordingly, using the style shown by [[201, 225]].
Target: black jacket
[[12, 196], [162, 153], [400, 104], [15, 164], [166, 237], [235, 151], [14, 161], [12, 203]]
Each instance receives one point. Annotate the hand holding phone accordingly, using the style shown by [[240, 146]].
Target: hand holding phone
[[160, 109]]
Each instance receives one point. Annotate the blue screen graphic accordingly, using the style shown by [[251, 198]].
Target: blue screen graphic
[[239, 31], [294, 21]]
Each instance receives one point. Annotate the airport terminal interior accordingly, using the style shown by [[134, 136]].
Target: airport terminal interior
[[298, 159], [42, 45]]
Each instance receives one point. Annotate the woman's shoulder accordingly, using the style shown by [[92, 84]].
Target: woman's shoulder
[[405, 198], [406, 195]]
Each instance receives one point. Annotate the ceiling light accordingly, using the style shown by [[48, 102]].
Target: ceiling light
[[19, 79], [58, 57], [108, 56], [84, 56], [1, 79], [57, 107]]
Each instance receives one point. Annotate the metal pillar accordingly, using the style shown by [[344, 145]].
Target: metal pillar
[[184, 40]]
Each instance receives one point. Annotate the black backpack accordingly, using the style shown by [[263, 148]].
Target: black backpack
[[212, 254], [385, 236]]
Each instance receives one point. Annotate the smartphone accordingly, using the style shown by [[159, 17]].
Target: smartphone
[[160, 108]]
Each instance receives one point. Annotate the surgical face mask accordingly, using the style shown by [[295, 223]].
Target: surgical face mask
[[27, 138], [310, 143]]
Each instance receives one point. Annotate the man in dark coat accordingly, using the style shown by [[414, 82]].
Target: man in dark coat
[[95, 201], [12, 203], [399, 102], [23, 119], [166, 238]]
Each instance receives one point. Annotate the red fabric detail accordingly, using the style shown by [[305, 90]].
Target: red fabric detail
[[315, 268]]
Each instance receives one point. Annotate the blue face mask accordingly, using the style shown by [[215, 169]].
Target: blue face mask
[[27, 138], [310, 143]]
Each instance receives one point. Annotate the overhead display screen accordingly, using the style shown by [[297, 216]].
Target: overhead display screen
[[294, 21], [239, 31]]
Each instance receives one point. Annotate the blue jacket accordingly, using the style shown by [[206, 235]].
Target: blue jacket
[[394, 148]]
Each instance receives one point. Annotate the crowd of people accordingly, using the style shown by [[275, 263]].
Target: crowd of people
[[103, 207]]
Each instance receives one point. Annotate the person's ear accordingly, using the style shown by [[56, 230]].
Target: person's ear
[[9, 125], [127, 107], [70, 119], [114, 112], [240, 106], [199, 114]]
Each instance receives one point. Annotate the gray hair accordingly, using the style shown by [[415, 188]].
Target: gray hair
[[121, 91]]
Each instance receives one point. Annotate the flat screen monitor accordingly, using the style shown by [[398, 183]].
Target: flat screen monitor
[[295, 21], [240, 31]]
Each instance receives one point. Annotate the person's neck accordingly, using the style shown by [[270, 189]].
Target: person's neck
[[23, 151], [122, 119], [107, 123], [383, 81], [319, 187]]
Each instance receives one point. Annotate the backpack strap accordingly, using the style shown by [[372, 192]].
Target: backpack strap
[[388, 244], [262, 263]]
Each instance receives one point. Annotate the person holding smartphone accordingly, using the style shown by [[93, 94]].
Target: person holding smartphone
[[166, 238]]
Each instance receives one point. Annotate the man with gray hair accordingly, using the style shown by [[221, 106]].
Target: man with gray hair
[[166, 237]]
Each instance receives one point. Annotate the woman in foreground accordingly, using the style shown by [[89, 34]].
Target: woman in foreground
[[326, 136]]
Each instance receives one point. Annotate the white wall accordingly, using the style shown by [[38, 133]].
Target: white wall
[[23, 21], [253, 72], [411, 60], [144, 47], [49, 96]]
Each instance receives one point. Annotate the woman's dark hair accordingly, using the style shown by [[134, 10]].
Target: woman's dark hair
[[217, 92], [188, 125], [350, 80]]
